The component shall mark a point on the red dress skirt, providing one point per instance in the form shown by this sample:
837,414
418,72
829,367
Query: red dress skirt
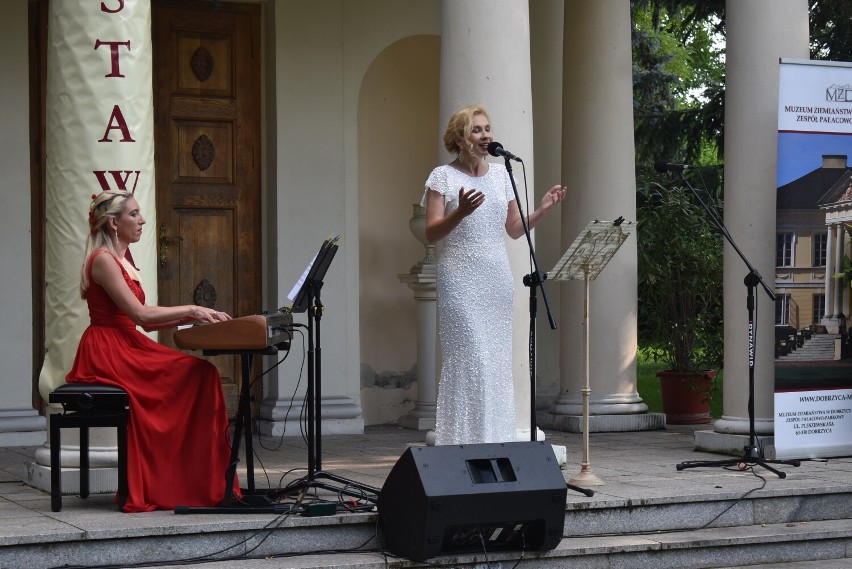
177,437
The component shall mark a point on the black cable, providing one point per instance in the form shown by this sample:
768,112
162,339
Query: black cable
749,468
484,550
523,551
290,408
527,206
275,523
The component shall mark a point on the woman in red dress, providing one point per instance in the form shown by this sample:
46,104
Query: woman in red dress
177,436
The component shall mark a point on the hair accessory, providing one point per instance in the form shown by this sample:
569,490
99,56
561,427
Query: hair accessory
94,197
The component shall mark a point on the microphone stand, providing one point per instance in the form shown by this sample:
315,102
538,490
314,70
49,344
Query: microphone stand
534,280
752,454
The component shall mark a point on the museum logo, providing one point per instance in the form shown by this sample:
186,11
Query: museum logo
839,94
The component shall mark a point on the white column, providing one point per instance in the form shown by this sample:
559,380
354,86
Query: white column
598,168
20,423
304,71
838,260
485,59
829,272
759,33
546,23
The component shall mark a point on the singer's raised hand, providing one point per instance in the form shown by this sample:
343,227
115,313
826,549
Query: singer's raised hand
553,196
469,201
438,223
514,224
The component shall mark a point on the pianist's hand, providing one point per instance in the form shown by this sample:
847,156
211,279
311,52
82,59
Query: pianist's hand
205,315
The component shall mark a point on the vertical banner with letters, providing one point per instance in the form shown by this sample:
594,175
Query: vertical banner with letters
99,136
813,364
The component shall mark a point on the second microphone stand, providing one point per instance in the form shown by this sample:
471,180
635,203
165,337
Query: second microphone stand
752,454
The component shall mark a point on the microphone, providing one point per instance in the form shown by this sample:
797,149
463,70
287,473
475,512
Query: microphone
663,166
496,149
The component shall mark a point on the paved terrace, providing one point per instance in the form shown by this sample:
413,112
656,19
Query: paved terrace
638,469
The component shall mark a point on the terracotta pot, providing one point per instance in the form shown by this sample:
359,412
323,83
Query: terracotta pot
686,396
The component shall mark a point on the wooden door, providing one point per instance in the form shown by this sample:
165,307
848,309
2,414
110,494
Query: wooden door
207,151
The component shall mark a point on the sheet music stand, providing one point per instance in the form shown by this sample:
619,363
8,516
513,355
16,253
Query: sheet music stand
308,300
584,260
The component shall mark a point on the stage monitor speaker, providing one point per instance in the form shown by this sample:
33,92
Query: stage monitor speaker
451,499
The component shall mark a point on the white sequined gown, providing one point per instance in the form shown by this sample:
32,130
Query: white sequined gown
476,401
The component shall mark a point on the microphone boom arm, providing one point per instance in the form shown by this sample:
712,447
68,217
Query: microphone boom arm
719,225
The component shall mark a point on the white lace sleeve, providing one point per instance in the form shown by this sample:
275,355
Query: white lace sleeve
436,181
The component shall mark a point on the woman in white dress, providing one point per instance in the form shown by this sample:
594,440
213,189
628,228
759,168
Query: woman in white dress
470,204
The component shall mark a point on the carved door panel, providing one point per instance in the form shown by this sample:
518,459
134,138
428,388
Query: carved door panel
207,114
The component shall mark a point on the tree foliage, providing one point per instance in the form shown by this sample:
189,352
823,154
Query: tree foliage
678,104
830,29
680,262
678,82
678,87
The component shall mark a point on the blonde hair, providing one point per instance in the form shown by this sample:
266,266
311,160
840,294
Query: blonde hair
105,206
459,128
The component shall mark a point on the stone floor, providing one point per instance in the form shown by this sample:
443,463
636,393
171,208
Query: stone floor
635,467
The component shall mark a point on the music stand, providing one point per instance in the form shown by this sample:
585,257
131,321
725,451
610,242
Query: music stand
307,299
534,280
584,260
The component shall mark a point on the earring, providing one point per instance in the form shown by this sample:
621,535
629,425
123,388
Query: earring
116,237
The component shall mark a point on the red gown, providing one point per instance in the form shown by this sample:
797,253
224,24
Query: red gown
177,436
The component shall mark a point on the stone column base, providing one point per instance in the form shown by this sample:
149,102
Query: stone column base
340,416
732,444
291,428
22,427
602,423
416,423
103,469
101,480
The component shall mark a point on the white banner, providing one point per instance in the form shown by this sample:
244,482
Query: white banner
815,97
812,424
99,136
813,390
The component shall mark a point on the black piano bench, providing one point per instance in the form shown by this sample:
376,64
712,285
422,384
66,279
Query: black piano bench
87,405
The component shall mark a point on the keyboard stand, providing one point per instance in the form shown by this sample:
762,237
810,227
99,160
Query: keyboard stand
253,501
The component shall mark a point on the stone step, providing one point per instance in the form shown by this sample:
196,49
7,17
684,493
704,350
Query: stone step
701,531
819,347
797,545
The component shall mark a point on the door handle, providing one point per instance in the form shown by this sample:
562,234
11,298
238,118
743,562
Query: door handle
165,240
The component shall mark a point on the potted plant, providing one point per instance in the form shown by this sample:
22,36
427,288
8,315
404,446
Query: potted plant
680,297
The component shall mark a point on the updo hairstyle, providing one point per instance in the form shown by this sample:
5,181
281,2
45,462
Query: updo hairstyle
459,128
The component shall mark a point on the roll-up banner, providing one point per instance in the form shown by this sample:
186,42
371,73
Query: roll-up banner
99,136
813,360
